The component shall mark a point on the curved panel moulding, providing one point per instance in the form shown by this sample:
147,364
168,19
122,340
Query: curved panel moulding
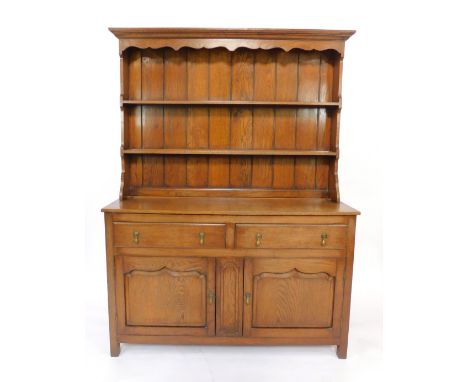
232,45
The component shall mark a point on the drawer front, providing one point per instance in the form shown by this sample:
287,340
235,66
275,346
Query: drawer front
170,235
294,236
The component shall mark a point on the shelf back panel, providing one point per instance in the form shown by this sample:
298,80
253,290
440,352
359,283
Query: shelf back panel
241,75
228,171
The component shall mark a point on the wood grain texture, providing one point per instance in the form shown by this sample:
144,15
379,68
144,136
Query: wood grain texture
198,118
152,117
111,303
170,114
290,236
241,118
170,235
283,104
281,279
232,206
342,350
220,124
229,228
229,296
292,299
285,119
263,118
232,39
165,298
306,130
175,118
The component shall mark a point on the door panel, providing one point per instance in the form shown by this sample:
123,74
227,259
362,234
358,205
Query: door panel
167,296
175,298
292,297
229,295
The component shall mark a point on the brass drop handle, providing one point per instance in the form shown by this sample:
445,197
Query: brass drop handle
324,237
248,296
136,237
258,238
202,238
211,297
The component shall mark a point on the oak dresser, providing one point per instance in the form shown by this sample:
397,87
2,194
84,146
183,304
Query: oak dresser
229,227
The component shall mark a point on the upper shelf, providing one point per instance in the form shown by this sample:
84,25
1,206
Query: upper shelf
231,152
232,39
233,103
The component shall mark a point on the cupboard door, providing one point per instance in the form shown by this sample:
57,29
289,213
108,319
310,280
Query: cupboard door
292,297
165,296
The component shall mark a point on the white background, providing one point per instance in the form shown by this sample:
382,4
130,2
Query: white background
403,164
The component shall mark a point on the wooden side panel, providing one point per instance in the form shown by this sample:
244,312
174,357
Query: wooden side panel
133,119
175,118
198,117
333,185
263,118
324,121
112,306
229,296
219,130
285,118
241,118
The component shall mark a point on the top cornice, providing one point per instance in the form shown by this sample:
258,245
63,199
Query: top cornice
232,39
268,34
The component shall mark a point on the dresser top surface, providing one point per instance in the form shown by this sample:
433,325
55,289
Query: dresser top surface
230,206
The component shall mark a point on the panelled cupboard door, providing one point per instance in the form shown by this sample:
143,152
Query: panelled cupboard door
165,296
293,297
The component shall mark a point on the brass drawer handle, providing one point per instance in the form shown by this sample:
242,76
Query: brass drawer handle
324,237
248,296
136,237
202,238
258,238
211,297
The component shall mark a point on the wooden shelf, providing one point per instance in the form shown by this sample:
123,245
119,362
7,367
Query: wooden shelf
233,103
230,152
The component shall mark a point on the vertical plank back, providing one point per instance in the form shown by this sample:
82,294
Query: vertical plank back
220,75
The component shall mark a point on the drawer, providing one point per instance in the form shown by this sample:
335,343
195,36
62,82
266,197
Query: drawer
294,236
170,235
